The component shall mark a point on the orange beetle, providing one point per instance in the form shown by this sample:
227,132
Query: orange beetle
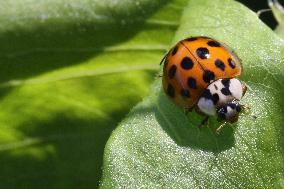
195,63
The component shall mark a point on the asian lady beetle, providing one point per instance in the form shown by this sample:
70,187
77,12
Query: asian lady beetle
199,72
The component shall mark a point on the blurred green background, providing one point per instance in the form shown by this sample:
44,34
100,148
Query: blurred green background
70,72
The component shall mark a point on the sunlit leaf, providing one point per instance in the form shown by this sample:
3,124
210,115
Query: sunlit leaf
158,146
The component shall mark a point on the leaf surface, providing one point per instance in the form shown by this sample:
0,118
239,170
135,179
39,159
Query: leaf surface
158,146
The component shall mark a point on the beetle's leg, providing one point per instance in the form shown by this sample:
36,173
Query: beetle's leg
187,110
244,89
220,127
204,122
247,109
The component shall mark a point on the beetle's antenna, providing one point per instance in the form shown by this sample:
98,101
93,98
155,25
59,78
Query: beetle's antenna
258,13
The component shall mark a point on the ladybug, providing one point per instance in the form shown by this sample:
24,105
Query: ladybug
199,72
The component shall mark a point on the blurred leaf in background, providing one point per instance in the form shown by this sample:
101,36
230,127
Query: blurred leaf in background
278,12
158,146
70,71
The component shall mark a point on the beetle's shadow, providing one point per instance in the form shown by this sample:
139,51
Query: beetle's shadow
183,128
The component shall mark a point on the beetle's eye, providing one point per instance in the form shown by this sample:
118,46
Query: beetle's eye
222,114
238,108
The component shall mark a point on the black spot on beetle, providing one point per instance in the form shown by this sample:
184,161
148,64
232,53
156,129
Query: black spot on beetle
213,44
215,86
185,93
171,91
191,82
202,53
207,94
226,82
225,91
172,71
191,39
220,64
208,76
186,63
232,64
175,50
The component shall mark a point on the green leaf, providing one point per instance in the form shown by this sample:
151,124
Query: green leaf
158,146
70,71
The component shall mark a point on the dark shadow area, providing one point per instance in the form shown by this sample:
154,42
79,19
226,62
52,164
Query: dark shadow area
256,5
74,159
67,151
31,51
183,129
26,56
